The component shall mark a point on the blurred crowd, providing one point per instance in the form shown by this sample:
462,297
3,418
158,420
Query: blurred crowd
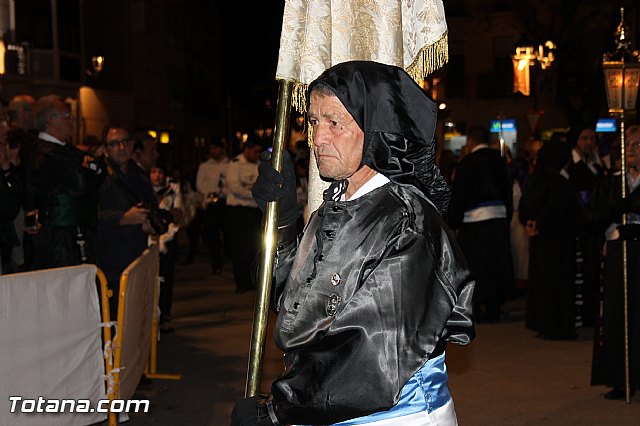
549,223
105,200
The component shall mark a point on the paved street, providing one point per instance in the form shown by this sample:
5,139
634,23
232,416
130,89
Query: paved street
505,377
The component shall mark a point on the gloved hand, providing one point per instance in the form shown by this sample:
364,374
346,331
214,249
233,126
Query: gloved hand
251,412
271,186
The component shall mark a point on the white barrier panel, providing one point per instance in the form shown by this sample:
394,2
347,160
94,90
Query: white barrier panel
142,279
50,345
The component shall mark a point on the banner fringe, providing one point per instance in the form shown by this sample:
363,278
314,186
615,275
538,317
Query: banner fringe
428,59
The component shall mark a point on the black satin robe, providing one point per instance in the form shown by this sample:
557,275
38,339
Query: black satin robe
375,289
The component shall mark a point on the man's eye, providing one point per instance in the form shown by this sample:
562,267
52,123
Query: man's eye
313,122
334,123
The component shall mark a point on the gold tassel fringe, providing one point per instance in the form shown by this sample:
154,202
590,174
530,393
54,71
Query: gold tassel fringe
430,58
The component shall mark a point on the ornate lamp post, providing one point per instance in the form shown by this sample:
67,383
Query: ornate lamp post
621,75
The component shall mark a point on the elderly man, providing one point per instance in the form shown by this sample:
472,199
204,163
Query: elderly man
124,201
377,285
59,192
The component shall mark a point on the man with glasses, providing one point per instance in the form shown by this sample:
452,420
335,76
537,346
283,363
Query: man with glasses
125,199
60,190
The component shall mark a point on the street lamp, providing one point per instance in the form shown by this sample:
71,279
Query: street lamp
527,56
621,75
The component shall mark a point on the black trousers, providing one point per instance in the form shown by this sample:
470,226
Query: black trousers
244,234
214,224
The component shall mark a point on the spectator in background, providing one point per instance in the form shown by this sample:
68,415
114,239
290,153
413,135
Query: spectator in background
60,191
145,152
194,200
124,201
244,228
10,200
210,182
21,139
480,209
169,198
21,111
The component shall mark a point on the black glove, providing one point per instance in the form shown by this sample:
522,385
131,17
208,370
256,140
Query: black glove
272,186
252,412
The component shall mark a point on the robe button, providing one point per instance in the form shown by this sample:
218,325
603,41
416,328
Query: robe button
332,304
335,279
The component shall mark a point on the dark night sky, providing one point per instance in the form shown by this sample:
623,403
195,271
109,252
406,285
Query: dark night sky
251,37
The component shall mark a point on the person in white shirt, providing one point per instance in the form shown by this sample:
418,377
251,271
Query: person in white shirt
244,216
210,183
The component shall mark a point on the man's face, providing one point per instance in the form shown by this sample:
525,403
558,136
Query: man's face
60,123
632,150
586,142
149,156
118,146
156,176
216,152
252,154
337,140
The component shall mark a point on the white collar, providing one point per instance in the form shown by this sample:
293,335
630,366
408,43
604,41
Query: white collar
47,137
375,182
479,146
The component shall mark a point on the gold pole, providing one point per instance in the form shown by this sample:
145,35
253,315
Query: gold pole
265,271
625,278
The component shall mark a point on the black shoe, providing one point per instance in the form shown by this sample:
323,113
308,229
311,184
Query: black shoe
618,393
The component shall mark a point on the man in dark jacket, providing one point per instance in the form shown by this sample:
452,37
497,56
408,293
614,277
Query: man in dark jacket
481,208
377,285
124,200
60,188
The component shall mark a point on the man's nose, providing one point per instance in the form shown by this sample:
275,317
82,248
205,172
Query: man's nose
321,134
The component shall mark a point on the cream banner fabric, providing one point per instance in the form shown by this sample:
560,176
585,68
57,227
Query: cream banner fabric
50,344
317,34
